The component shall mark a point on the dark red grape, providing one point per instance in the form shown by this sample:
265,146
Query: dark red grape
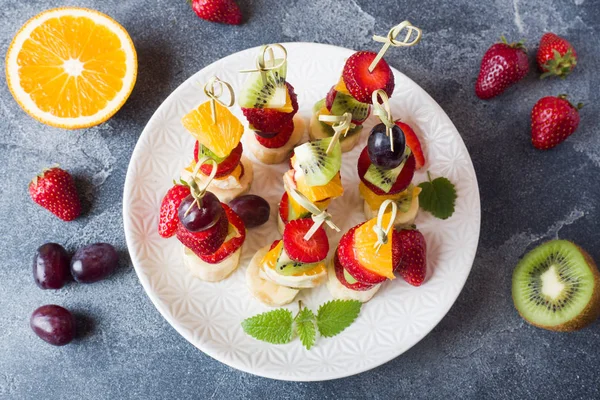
94,262
252,209
51,266
379,147
203,217
53,324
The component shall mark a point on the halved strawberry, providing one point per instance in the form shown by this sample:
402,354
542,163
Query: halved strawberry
312,250
278,140
413,267
412,141
274,244
348,260
226,166
269,119
360,82
207,241
232,245
339,273
168,219
402,181
284,207
397,251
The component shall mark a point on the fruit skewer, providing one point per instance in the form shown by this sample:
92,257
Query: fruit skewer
364,72
278,272
218,133
270,105
315,174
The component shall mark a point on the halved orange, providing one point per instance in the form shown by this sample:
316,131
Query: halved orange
71,67
379,262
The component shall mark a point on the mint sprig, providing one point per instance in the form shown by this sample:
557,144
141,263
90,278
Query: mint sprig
278,326
438,196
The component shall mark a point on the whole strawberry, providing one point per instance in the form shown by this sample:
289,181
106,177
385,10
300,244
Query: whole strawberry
54,189
223,11
502,65
413,267
553,119
168,219
555,56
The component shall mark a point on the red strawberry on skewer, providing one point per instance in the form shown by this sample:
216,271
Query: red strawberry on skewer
413,267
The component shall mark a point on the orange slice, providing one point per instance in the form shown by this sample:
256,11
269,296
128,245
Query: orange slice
379,262
71,67
375,200
341,86
221,137
332,189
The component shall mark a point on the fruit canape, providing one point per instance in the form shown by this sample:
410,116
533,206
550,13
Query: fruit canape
315,174
386,165
218,133
297,261
211,233
270,106
364,72
370,253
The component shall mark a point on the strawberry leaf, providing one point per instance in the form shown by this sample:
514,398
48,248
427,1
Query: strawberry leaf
438,196
274,326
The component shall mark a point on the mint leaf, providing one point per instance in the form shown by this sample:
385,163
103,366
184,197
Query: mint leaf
336,315
438,196
274,326
305,326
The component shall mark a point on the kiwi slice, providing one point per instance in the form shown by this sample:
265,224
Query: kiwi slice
286,266
204,151
345,103
319,105
405,201
384,179
293,215
256,94
349,278
319,126
313,161
556,287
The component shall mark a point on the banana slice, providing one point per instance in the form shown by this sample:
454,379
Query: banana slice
276,156
229,188
406,218
300,281
339,291
315,131
280,224
211,272
265,291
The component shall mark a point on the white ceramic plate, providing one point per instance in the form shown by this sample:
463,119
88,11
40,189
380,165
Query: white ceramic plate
208,315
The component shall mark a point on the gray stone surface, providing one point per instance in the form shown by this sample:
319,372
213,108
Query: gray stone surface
481,349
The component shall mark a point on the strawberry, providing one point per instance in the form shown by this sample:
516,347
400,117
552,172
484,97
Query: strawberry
339,273
168,219
54,189
268,119
274,244
312,250
412,141
223,11
233,244
278,140
402,181
502,65
414,257
360,82
348,260
553,119
226,166
284,207
206,241
555,56
396,249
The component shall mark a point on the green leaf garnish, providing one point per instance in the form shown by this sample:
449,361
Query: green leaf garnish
336,315
438,196
305,326
274,326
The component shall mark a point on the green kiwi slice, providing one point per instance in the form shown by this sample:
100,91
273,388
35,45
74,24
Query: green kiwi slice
318,106
384,179
286,266
315,164
405,201
556,287
273,94
345,103
349,278
204,151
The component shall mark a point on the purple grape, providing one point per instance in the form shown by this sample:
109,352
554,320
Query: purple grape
379,147
53,324
252,209
51,266
203,217
94,262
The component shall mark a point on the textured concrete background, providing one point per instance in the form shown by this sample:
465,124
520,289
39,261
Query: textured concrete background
482,349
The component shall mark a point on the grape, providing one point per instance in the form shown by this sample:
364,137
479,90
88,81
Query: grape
203,217
51,266
252,209
379,149
94,262
53,324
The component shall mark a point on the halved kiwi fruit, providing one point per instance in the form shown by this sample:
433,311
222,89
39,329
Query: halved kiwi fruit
316,165
286,266
384,179
556,286
256,94
204,151
338,103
